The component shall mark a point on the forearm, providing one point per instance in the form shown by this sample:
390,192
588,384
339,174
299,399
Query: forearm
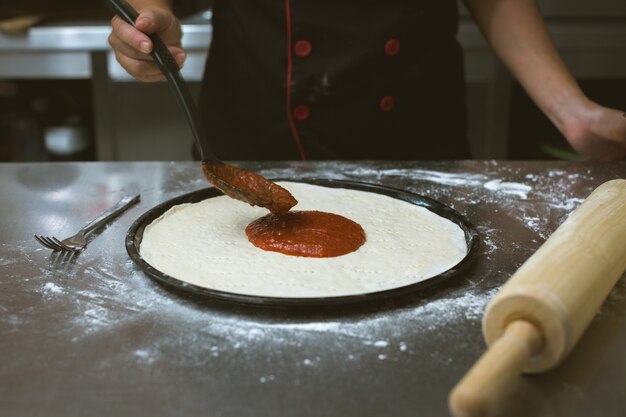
517,33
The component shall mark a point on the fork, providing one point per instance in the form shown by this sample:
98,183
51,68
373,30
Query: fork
78,242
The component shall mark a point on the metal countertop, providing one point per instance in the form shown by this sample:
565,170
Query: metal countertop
92,335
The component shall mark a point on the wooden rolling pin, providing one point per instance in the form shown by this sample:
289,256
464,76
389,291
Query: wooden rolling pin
538,316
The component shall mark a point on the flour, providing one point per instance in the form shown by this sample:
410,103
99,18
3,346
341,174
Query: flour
513,188
104,296
531,221
313,326
145,356
104,307
488,239
265,379
444,178
6,262
52,288
568,205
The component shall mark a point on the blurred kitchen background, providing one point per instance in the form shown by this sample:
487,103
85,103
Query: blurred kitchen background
64,97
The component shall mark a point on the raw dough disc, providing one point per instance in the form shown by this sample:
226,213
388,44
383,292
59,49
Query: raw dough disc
205,244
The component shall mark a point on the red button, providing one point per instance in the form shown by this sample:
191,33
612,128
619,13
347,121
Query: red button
387,103
392,47
301,112
303,48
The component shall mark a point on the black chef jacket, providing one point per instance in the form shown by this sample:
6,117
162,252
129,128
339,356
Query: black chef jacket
335,79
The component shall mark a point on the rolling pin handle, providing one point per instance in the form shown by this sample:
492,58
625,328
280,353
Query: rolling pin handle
478,393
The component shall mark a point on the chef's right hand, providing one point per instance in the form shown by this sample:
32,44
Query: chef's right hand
132,46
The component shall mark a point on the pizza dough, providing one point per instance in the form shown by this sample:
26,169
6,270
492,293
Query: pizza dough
205,244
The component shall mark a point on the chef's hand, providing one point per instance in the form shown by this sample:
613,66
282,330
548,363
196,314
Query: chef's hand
132,46
516,31
596,132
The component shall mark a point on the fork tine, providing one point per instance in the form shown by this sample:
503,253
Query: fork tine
51,243
41,240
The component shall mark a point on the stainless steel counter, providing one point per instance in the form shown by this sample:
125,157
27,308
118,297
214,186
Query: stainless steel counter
92,335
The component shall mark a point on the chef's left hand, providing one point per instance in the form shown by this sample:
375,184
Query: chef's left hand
596,132
516,31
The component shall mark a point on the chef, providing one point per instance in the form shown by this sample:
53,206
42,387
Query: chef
374,79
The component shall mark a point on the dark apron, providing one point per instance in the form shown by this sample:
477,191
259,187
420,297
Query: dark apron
370,79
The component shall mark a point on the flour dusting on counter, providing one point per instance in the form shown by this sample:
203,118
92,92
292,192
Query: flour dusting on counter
52,288
139,297
113,317
111,302
93,332
513,188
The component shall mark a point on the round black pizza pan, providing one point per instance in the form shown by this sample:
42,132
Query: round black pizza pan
135,235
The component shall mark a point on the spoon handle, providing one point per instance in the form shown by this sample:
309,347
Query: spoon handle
168,66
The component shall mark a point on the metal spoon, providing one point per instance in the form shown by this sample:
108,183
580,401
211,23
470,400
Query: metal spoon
234,182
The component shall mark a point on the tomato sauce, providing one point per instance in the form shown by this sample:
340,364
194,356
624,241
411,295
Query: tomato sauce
314,234
249,187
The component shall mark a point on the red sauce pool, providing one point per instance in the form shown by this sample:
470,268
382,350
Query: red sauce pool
314,234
